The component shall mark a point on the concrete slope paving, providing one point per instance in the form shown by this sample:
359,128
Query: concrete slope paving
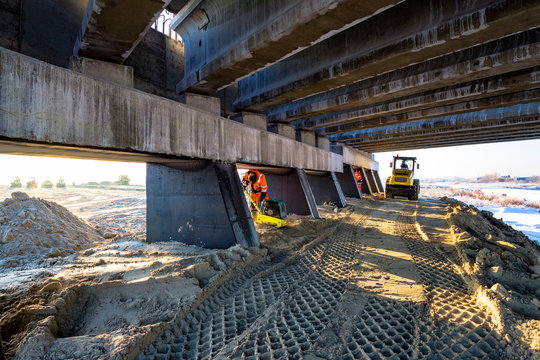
376,287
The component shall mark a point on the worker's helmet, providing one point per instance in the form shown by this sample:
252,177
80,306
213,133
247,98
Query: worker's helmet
252,176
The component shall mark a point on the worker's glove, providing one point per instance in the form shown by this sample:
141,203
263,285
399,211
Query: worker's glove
263,196
245,183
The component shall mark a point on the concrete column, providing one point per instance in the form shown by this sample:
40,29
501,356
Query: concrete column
326,188
291,186
236,205
378,181
203,102
366,186
254,119
348,182
283,129
197,202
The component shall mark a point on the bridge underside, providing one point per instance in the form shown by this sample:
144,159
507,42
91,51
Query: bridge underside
307,90
398,62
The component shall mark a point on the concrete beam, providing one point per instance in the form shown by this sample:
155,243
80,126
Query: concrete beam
521,126
470,62
244,36
514,129
355,157
515,135
492,59
41,103
445,110
110,30
459,122
473,90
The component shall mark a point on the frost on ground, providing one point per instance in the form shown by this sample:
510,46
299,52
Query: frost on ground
69,290
379,277
502,262
517,206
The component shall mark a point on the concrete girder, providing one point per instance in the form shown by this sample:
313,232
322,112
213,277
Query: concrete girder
459,108
405,34
516,52
510,135
244,36
473,90
442,137
528,125
42,103
477,118
111,29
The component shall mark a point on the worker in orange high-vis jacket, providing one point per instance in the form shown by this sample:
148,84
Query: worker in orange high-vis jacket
255,183
358,177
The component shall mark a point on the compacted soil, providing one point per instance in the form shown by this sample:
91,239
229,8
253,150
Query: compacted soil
381,278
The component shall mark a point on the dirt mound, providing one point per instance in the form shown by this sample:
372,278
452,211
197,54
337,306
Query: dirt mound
32,230
497,256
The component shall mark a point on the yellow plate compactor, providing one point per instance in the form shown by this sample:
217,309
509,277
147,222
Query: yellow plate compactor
273,211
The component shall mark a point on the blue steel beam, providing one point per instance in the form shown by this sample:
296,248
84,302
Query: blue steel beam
455,121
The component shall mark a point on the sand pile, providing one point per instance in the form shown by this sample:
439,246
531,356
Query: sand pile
32,230
497,256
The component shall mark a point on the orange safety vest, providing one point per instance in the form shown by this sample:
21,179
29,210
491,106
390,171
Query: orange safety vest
258,187
358,176
260,184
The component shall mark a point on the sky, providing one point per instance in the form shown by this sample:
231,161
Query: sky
518,158
71,170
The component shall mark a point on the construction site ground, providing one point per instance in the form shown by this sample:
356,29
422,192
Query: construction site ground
378,279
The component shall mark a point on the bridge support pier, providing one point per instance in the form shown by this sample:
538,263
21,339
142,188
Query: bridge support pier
366,187
197,202
292,186
369,180
348,183
326,188
378,181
